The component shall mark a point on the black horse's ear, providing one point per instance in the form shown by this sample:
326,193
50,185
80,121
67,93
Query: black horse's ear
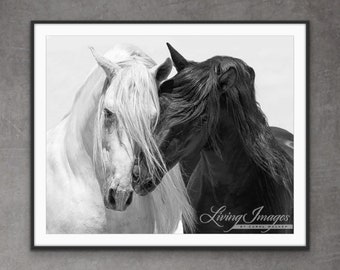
228,78
179,61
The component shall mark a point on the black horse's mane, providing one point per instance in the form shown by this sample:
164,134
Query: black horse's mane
197,94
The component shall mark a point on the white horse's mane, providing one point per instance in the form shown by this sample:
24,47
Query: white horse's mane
170,200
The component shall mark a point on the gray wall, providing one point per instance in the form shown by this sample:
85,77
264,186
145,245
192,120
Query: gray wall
15,252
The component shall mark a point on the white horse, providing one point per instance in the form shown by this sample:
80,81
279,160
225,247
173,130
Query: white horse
91,153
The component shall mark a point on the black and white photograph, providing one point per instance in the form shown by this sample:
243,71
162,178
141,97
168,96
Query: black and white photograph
170,134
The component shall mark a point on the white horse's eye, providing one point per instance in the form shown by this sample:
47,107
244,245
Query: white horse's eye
110,118
108,113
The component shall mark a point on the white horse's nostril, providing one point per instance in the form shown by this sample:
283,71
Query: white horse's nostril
129,200
111,197
118,199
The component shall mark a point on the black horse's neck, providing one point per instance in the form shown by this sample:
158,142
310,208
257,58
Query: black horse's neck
241,167
230,166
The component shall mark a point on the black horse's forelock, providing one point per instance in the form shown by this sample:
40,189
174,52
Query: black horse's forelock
196,93
194,99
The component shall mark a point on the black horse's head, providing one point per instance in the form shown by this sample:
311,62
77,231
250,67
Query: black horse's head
192,105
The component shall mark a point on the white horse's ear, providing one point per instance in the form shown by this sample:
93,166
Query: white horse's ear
162,71
108,66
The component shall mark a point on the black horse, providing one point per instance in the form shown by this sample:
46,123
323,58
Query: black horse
238,170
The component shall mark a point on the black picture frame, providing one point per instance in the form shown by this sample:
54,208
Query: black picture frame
253,248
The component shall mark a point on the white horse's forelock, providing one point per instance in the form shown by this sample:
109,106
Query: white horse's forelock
134,90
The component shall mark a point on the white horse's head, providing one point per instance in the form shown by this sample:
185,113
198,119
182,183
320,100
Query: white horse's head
127,114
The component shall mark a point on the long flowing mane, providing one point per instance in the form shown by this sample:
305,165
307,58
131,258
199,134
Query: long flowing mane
197,94
170,201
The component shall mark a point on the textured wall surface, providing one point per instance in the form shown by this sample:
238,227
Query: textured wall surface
15,16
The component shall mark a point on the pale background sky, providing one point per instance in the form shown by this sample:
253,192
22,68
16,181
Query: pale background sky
69,61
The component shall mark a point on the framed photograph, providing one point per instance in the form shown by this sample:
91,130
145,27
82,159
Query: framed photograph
170,134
